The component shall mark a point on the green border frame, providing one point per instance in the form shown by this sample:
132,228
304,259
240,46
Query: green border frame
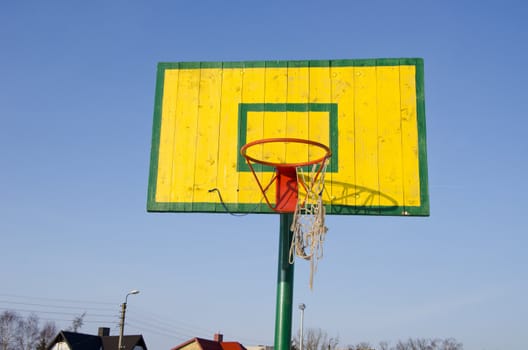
422,210
244,108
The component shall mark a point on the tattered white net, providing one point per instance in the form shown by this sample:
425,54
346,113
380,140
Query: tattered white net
308,224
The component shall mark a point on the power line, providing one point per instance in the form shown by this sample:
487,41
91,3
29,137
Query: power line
55,306
168,330
155,331
187,330
55,299
52,312
69,320
170,322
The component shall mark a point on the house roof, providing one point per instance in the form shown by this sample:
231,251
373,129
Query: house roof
80,341
129,342
77,341
232,345
206,344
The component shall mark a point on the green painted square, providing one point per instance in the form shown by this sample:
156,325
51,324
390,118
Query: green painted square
245,108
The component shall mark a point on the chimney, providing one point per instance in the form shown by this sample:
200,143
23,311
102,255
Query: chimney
103,332
218,337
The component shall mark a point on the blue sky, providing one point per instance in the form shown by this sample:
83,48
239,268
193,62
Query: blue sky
76,103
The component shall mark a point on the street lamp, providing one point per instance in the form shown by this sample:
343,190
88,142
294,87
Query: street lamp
301,336
122,323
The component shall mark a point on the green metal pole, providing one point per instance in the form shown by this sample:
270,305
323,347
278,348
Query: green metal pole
283,318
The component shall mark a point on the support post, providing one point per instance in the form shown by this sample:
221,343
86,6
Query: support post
284,309
121,326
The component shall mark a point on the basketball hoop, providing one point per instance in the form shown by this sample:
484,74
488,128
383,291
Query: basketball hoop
305,202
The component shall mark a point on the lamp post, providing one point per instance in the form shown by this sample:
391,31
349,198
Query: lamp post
301,336
122,322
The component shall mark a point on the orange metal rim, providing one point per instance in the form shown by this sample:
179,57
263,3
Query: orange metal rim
244,149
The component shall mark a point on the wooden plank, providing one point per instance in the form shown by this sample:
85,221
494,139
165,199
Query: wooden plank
228,178
166,145
389,139
366,145
253,91
320,92
342,188
299,93
275,122
410,147
208,130
185,135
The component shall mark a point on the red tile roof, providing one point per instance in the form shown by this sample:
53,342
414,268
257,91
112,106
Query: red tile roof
206,344
232,345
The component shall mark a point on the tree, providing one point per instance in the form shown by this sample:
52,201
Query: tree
383,345
315,339
47,332
28,333
425,344
451,344
18,333
9,322
361,346
77,323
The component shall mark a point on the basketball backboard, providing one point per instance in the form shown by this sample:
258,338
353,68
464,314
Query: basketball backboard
369,112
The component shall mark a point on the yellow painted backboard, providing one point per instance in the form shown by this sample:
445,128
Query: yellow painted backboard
369,112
